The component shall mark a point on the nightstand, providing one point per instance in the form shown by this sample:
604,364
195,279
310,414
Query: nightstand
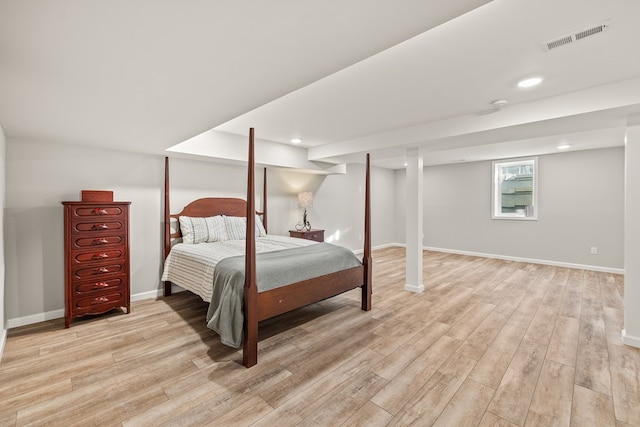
317,235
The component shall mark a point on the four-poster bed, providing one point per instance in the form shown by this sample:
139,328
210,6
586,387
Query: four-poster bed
261,295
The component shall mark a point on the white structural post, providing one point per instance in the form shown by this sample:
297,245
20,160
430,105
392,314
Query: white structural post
631,331
414,233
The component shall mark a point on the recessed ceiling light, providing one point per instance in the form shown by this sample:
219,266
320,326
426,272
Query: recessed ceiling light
296,140
563,146
498,104
533,81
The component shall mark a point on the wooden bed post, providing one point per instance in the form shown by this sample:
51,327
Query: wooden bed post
167,222
250,334
366,260
264,200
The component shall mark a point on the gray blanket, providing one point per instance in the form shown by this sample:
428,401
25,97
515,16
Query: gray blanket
273,269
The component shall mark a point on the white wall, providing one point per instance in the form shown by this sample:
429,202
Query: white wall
338,207
581,205
41,175
338,200
3,330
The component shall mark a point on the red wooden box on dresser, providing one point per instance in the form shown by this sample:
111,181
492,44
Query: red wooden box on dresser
96,257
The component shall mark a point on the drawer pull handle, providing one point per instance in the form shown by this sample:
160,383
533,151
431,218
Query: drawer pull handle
99,211
100,226
101,255
101,285
102,270
100,300
100,241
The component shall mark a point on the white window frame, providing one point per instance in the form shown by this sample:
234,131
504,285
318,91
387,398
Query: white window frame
496,190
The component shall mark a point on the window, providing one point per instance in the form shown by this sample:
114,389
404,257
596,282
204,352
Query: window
515,189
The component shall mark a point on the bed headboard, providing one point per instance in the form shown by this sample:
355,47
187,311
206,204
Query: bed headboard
211,206
208,206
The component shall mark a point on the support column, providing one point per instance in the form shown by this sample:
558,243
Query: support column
414,234
631,331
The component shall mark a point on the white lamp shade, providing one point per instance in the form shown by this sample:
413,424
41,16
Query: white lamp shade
305,199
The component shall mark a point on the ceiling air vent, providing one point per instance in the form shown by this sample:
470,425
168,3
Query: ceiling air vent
575,36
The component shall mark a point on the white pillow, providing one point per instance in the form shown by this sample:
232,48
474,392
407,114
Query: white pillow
260,231
198,230
236,227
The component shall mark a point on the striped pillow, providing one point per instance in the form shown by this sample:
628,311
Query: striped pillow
260,231
236,227
198,230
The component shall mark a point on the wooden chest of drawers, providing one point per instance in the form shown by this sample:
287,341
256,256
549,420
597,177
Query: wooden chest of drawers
96,258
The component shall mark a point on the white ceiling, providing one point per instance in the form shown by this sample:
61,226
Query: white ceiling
346,76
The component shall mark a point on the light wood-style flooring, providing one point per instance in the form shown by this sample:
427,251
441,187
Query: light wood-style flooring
489,343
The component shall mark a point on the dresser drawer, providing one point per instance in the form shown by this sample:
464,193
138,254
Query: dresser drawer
317,235
99,303
106,254
97,211
83,242
107,285
102,225
97,271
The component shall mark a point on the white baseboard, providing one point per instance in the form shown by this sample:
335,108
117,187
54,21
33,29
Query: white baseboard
34,318
147,295
3,340
57,314
158,293
373,248
529,260
630,339
413,288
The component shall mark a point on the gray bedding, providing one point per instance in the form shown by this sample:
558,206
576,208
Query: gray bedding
273,269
